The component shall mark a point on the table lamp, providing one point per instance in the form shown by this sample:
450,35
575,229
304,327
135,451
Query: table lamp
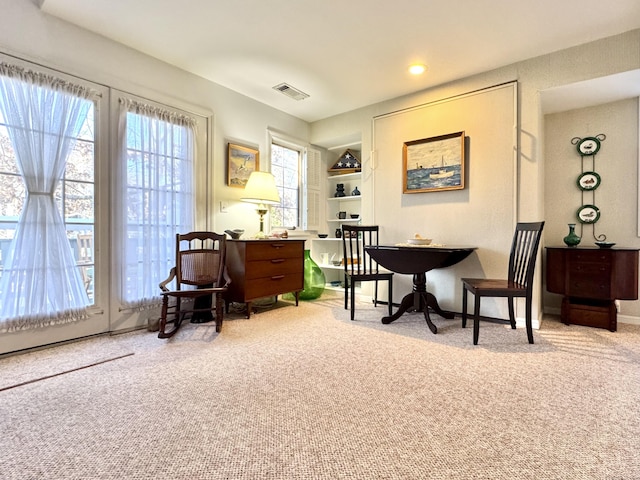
261,189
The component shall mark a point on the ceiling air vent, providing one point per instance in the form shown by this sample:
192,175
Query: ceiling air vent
291,92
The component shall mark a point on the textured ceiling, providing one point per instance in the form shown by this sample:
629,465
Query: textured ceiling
344,54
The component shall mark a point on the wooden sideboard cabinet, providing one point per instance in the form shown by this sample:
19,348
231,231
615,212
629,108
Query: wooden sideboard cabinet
264,268
591,279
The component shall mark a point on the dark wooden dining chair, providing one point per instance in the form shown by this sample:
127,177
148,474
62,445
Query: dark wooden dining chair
519,282
200,276
359,266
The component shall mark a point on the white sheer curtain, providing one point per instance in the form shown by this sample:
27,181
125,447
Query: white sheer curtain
40,283
156,196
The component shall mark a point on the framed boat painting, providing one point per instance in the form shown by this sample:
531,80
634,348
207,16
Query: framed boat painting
433,164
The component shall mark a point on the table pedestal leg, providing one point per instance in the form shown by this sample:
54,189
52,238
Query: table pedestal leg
419,300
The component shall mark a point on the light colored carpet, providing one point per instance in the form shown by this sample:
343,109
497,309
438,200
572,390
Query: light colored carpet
304,393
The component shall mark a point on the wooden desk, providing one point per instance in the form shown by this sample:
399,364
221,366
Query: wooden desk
264,268
417,261
591,279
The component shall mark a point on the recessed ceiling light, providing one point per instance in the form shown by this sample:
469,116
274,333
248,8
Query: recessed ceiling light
417,68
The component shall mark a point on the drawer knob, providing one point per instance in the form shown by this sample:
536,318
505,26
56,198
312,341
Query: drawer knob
277,277
277,260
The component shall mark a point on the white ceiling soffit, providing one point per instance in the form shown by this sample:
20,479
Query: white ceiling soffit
591,92
344,54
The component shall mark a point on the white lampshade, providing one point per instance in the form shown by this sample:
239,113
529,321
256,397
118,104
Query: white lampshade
261,188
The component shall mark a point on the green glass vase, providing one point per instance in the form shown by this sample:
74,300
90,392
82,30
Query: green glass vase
314,280
572,239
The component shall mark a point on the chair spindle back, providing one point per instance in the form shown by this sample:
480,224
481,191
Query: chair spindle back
524,248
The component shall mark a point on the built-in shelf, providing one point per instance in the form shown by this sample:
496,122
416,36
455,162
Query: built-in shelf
350,198
331,247
345,176
331,267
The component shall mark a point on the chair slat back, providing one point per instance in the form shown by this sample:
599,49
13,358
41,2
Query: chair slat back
354,239
524,249
200,259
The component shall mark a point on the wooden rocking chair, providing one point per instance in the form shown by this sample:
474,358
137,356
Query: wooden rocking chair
201,275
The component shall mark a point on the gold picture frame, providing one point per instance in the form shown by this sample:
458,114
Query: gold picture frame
241,162
433,164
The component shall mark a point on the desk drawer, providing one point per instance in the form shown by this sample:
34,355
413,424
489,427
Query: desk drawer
271,250
275,266
275,285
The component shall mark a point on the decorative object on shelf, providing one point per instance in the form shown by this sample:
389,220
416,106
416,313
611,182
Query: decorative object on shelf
338,233
605,244
339,190
433,164
588,182
355,216
235,233
241,162
261,189
323,235
341,215
572,239
355,192
314,280
347,163
279,233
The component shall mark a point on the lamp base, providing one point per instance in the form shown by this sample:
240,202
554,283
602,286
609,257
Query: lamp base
262,211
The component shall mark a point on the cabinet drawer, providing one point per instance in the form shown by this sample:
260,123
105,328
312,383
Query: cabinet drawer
600,316
275,266
273,250
589,280
593,270
275,285
589,287
590,256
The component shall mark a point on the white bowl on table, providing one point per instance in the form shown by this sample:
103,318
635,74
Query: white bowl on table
419,241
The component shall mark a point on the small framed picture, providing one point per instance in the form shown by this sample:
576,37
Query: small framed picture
241,161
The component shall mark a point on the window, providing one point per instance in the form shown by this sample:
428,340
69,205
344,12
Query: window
157,195
47,179
286,168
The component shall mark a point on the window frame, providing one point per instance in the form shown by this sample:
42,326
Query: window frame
285,141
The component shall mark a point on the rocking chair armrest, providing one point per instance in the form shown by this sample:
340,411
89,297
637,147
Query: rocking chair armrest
164,283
